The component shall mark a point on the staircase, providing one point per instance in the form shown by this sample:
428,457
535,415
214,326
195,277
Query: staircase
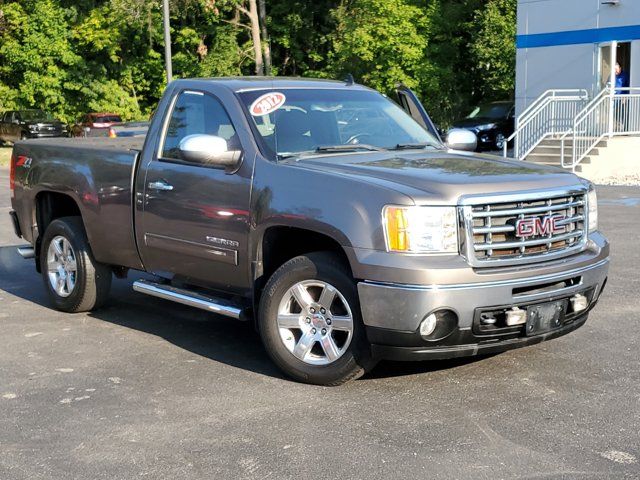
585,128
549,152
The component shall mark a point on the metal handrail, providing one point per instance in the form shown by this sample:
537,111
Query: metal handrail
611,113
545,118
553,93
582,114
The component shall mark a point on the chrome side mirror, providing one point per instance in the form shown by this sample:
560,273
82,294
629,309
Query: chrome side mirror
208,150
461,139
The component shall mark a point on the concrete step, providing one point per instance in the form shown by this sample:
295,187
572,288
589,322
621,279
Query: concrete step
568,152
557,164
568,143
552,149
550,158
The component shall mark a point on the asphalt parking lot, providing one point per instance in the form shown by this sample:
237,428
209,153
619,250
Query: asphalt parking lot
146,388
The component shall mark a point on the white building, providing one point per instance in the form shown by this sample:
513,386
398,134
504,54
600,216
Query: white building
567,44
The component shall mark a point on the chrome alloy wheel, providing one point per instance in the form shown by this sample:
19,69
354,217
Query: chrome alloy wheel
315,322
62,266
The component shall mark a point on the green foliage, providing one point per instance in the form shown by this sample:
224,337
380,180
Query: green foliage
36,56
494,49
75,56
380,42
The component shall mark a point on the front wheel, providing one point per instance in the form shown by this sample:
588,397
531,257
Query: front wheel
500,139
310,321
76,282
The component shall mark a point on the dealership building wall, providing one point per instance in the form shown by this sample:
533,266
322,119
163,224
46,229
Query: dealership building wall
566,44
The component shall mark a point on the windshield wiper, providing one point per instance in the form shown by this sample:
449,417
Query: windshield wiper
329,149
349,148
412,146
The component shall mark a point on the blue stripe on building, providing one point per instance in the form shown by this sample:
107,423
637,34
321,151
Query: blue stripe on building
576,37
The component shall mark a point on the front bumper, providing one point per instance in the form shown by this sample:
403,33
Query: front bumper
469,347
52,134
16,223
392,313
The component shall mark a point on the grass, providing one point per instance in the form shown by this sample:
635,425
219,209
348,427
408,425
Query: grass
5,156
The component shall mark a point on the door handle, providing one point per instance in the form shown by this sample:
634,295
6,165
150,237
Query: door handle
160,185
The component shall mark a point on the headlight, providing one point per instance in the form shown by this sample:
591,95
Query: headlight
421,229
592,215
33,127
486,126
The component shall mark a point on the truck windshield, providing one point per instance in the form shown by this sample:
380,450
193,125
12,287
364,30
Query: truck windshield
490,110
295,121
33,115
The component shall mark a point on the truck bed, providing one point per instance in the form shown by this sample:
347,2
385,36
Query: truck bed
124,144
97,174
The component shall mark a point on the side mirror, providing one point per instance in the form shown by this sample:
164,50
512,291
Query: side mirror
461,139
16,121
208,150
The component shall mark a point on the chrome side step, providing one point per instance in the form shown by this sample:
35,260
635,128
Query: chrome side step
27,252
187,297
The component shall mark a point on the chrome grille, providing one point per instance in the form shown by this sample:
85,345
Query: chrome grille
491,229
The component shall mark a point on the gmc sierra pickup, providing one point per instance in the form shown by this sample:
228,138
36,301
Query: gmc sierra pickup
329,215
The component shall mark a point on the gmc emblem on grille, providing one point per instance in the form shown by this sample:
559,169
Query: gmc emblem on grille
539,226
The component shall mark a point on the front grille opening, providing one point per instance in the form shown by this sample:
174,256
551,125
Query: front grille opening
547,287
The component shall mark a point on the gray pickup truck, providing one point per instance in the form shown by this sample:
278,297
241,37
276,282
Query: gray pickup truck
330,216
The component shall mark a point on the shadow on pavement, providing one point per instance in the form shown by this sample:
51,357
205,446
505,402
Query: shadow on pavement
208,335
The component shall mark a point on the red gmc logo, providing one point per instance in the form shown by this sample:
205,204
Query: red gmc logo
539,226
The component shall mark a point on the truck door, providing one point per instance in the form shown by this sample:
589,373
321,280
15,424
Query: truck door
410,104
3,126
13,127
195,219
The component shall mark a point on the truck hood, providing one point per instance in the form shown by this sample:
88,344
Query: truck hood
442,177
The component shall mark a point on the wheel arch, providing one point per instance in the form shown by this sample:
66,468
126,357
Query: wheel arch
280,243
50,206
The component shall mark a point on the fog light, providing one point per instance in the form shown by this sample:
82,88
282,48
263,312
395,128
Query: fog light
428,325
579,302
516,316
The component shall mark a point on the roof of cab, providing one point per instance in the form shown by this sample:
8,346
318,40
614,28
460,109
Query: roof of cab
240,84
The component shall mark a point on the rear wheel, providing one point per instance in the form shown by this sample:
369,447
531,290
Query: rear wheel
74,280
310,321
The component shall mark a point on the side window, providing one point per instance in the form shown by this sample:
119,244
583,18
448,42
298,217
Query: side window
16,116
197,113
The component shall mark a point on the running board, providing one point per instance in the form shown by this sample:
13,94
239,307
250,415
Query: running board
27,252
190,298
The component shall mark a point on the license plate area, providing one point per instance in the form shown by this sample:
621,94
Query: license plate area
545,317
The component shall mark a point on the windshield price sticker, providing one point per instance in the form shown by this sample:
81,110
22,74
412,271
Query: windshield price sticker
267,103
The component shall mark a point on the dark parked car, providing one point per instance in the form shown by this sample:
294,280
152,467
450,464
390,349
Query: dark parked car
492,122
22,124
95,125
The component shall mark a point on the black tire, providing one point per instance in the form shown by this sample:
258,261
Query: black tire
325,267
499,141
92,279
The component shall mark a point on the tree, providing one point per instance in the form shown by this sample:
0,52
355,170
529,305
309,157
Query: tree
494,48
37,60
380,42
